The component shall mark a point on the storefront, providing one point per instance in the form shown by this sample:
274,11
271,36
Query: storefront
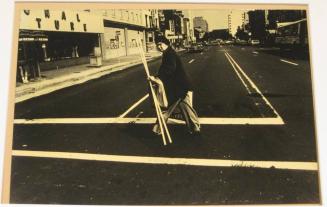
133,36
115,43
71,37
31,46
120,39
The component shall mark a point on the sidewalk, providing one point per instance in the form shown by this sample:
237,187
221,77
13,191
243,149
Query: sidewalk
53,80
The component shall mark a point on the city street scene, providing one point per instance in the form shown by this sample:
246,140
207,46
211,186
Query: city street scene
225,115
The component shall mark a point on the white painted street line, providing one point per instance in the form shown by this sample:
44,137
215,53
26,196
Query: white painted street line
191,61
134,105
254,86
255,52
152,120
238,74
307,166
289,62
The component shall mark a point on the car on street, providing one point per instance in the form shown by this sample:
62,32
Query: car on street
241,42
214,43
254,42
197,47
228,42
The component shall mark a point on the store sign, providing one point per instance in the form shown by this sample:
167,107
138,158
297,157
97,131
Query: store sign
174,37
33,39
61,21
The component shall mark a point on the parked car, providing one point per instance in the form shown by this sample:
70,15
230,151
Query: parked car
241,42
214,43
228,42
254,42
197,47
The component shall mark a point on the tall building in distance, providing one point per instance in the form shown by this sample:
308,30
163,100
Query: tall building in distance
199,22
245,21
257,23
189,15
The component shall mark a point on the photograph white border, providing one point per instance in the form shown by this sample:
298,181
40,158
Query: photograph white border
318,31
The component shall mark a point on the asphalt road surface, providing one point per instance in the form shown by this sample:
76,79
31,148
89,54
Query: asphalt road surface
92,143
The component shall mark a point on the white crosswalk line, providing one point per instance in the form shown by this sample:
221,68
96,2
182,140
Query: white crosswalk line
152,120
307,166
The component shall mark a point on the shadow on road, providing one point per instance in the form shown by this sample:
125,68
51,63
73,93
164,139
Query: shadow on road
300,54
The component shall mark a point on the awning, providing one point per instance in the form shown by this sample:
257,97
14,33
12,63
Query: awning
284,24
32,36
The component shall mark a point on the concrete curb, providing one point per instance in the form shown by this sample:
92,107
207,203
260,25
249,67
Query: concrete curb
48,86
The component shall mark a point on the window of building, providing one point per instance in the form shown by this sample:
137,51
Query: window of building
151,22
146,20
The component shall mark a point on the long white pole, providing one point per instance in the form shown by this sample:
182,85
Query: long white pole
162,124
155,98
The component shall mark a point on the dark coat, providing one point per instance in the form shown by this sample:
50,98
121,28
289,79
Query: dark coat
174,77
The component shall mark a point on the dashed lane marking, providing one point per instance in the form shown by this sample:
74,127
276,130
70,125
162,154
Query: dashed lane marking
152,120
306,166
191,61
255,52
289,62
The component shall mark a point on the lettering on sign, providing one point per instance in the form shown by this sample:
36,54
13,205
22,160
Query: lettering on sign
27,12
56,22
47,13
63,16
72,26
50,20
38,20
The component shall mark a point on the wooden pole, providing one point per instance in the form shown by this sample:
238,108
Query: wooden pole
154,97
156,104
161,119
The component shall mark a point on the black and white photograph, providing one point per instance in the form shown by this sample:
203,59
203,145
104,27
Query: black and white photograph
129,104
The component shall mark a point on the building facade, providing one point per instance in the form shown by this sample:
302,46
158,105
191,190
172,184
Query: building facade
171,26
188,14
122,29
53,39
199,22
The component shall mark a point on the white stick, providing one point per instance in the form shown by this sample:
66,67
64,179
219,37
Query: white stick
154,97
156,104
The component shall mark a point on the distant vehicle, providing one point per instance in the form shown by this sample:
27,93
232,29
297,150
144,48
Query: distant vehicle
197,47
241,42
205,43
214,42
254,42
